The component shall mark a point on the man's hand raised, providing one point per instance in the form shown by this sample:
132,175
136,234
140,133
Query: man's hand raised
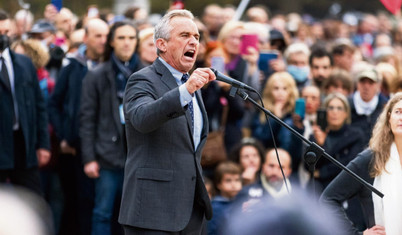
199,78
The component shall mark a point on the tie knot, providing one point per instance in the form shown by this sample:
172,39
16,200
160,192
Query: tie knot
184,78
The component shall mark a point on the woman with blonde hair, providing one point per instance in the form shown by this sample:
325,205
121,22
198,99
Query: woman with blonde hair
240,67
146,46
379,165
280,94
389,75
40,57
279,97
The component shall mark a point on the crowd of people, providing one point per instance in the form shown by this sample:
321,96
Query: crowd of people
64,133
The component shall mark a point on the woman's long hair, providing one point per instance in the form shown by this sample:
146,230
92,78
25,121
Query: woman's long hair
268,98
382,137
110,37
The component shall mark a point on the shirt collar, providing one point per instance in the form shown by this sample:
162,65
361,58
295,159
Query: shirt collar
176,74
6,54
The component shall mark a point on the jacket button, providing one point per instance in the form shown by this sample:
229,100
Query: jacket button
114,138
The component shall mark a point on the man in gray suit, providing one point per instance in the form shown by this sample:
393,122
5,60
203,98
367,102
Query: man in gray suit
166,124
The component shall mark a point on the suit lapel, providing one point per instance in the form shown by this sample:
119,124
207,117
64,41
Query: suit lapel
168,79
166,76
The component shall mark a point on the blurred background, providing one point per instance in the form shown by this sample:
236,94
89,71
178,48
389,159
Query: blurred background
314,8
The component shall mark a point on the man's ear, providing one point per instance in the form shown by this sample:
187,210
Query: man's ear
85,38
161,44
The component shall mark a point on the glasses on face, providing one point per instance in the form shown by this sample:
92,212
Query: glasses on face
337,108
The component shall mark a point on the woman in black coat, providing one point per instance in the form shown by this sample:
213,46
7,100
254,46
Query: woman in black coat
379,165
340,139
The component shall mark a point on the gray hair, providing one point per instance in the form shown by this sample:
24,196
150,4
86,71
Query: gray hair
344,101
24,15
297,47
163,28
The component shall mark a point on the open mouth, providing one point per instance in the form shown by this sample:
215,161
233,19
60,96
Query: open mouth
190,54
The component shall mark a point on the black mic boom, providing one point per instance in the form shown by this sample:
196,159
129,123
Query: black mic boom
223,78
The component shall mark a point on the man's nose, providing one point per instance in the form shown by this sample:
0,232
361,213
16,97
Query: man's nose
194,40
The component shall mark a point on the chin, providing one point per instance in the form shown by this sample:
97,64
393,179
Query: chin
187,67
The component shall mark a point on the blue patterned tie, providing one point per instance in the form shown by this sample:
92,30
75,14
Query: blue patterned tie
190,104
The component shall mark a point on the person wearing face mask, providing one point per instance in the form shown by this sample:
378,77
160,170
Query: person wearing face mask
296,56
24,135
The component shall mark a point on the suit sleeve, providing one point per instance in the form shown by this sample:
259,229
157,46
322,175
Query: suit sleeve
330,171
344,187
88,116
146,106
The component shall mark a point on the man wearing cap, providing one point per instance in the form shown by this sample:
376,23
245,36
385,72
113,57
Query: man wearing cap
45,32
366,103
42,29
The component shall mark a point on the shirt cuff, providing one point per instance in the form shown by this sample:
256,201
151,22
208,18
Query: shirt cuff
185,96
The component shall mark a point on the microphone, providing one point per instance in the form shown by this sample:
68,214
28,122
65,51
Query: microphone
223,78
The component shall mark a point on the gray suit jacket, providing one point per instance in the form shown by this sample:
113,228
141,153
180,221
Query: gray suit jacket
162,173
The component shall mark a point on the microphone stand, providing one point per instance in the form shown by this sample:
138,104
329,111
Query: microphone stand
314,151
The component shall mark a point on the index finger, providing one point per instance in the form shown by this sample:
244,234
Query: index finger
210,73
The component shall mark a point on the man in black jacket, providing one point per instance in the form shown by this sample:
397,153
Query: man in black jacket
366,103
64,115
24,138
102,122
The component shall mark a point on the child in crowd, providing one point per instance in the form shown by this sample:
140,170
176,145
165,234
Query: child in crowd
228,183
